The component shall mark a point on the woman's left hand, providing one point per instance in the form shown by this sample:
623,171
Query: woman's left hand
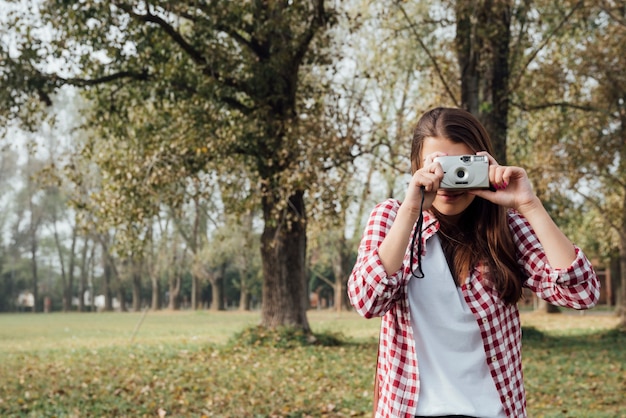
513,188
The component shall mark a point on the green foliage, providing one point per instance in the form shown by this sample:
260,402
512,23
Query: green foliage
180,94
570,134
233,103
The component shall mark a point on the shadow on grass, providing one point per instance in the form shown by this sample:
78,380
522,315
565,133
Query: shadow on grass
533,336
291,337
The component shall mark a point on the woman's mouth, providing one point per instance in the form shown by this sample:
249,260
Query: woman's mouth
449,195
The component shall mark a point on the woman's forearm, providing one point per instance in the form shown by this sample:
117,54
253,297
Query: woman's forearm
558,248
393,247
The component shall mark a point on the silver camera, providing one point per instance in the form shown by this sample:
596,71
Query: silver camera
464,172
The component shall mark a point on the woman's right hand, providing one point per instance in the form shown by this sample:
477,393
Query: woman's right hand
393,247
429,177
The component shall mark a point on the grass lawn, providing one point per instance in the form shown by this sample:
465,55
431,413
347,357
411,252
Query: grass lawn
181,364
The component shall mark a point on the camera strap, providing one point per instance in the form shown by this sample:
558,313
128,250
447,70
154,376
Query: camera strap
417,235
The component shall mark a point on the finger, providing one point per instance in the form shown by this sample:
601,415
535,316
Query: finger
501,176
430,181
428,160
492,161
514,174
437,170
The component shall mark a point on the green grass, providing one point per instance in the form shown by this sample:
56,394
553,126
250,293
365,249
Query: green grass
25,332
576,376
182,364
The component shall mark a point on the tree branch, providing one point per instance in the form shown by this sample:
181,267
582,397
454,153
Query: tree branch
597,205
322,277
83,82
532,56
429,54
621,20
192,52
530,108
319,19
169,30
44,83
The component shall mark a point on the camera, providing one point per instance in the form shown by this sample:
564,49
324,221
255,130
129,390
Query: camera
464,172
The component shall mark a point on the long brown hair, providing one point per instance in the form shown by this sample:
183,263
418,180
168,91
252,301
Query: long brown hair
482,235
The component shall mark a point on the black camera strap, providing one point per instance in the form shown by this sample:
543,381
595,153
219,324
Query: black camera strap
417,235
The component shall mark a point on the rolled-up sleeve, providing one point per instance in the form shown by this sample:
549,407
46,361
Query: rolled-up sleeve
576,286
370,289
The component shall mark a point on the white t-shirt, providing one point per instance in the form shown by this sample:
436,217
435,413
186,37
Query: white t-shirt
453,372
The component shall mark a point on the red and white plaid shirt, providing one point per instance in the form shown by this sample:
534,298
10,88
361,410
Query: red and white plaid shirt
374,293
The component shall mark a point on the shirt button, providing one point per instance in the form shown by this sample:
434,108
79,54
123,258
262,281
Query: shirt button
485,320
469,286
494,359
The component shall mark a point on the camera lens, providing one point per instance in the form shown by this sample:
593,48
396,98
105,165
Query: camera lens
460,174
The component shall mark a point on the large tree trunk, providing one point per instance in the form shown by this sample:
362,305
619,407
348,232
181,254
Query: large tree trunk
482,43
283,253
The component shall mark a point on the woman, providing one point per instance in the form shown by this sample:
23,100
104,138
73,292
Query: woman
450,339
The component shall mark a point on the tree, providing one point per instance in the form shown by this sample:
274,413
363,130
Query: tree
234,70
195,231
53,211
35,220
87,254
581,143
495,42
483,39
8,253
609,129
232,246
503,49
383,84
